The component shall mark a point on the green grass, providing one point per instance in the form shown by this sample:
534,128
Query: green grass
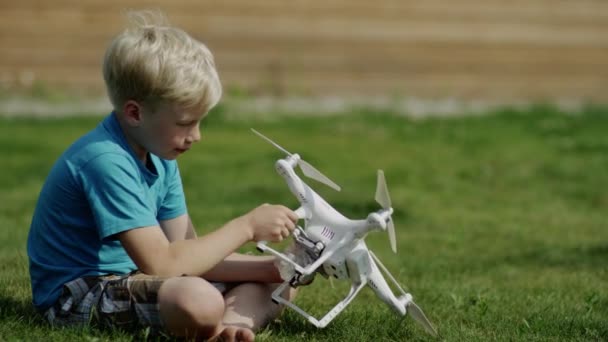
501,219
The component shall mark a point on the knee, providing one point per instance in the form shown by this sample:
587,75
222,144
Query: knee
190,306
202,303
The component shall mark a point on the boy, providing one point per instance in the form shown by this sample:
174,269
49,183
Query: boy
111,240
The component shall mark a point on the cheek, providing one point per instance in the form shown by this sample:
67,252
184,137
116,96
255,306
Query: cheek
176,135
164,136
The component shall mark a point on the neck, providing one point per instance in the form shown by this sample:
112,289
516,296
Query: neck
130,136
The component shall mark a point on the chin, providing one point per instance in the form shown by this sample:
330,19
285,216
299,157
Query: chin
168,155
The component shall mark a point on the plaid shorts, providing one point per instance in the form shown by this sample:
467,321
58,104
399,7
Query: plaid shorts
124,302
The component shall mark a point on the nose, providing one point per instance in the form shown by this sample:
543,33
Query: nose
194,135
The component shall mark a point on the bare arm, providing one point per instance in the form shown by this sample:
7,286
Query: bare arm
240,267
235,267
179,228
154,253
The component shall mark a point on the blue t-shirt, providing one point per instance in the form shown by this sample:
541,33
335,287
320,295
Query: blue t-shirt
96,189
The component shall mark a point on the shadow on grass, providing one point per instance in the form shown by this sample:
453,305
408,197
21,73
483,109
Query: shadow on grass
20,318
291,325
12,309
23,319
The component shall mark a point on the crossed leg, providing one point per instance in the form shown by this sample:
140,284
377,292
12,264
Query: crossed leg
250,308
191,307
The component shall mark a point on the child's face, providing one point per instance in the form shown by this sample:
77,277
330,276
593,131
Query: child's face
170,131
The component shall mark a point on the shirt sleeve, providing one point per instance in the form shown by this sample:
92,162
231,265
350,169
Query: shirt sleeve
174,202
116,195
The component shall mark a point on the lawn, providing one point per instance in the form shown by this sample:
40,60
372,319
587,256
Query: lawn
502,219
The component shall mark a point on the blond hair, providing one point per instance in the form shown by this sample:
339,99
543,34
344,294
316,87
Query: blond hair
154,63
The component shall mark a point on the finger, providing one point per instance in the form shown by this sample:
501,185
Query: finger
285,233
292,215
276,236
290,225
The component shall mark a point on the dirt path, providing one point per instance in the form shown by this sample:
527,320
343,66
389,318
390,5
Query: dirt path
264,106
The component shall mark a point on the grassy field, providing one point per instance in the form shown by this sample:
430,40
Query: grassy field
502,220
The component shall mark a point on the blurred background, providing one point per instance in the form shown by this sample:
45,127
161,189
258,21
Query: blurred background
501,218
424,54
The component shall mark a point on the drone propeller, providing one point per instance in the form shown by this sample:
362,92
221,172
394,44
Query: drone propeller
307,169
384,199
419,316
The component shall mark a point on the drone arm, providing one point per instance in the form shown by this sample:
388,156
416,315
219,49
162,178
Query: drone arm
284,168
303,213
385,270
405,302
382,289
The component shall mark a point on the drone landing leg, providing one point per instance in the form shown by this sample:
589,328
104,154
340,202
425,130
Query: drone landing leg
263,247
354,290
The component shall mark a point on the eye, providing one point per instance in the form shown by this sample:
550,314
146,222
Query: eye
187,123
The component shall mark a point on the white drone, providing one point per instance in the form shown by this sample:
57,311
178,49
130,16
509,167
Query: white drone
334,245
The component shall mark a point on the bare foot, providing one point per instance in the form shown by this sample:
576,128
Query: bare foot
233,333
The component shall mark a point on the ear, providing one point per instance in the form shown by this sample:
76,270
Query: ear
133,113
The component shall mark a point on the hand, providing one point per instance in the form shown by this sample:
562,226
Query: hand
271,222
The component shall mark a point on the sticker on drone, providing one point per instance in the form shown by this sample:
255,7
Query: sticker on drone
328,233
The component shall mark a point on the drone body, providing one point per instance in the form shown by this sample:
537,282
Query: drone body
334,245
